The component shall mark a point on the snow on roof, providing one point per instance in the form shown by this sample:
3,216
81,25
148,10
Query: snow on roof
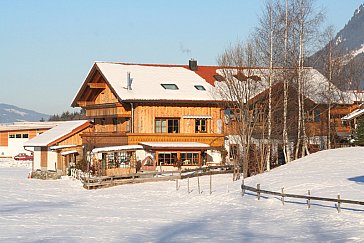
147,82
63,129
316,85
69,152
18,126
117,148
175,145
353,114
62,146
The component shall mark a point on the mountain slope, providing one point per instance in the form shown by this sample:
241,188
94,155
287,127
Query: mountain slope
11,113
349,42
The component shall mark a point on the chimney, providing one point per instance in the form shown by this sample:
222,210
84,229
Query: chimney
192,64
129,81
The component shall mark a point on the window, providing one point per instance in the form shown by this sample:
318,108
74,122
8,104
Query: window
115,122
200,125
200,87
192,158
167,125
18,135
127,125
11,135
316,115
234,151
167,158
170,86
25,135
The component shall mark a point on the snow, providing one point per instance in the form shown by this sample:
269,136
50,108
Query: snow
358,51
55,133
117,148
147,82
16,112
62,211
175,145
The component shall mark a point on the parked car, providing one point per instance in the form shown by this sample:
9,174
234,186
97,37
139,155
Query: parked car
23,156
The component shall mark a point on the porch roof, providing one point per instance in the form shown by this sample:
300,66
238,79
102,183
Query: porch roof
69,152
117,148
174,145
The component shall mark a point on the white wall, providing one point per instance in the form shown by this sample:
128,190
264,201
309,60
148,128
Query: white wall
52,160
36,160
15,146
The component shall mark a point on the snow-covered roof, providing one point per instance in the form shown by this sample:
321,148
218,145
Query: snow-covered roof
353,114
62,146
60,131
174,145
316,86
19,126
117,148
69,152
147,81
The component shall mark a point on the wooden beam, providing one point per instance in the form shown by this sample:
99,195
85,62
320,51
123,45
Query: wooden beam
96,85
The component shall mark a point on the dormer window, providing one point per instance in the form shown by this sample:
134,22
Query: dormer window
170,86
200,87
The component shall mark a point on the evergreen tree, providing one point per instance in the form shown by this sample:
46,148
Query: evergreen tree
359,133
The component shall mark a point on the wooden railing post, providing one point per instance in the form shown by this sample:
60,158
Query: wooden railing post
258,191
338,203
308,199
282,193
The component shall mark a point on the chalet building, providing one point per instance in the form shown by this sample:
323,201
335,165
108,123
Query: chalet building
13,136
59,148
151,116
317,106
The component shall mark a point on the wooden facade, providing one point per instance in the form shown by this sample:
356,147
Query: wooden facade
129,122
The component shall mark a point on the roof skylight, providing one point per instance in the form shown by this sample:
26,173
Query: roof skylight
200,87
170,86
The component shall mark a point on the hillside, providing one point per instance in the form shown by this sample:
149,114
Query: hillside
11,113
34,210
349,41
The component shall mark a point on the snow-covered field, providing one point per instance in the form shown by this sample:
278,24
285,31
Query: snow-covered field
62,211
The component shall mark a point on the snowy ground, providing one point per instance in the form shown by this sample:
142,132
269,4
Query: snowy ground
62,211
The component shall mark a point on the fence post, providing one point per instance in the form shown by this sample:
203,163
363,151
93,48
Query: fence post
258,191
242,187
198,184
188,185
282,195
309,199
176,184
210,182
338,203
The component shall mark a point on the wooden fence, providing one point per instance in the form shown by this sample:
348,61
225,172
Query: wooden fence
308,197
108,181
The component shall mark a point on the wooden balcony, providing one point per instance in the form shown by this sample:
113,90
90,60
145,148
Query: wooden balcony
104,139
214,140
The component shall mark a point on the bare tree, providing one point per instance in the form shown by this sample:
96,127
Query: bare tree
239,84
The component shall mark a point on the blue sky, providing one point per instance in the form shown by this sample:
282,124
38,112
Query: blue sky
47,46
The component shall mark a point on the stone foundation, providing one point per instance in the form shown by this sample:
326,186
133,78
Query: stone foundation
45,175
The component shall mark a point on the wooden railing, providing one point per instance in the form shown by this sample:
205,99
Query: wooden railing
308,197
108,181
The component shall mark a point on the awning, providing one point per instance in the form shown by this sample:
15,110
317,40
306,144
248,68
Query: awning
174,145
69,152
62,146
197,117
118,148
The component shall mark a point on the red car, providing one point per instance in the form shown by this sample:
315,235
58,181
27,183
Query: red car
23,156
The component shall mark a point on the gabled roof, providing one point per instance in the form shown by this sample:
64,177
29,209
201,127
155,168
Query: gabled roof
147,80
57,134
316,85
22,126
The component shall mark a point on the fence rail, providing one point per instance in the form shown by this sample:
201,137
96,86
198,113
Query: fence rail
308,197
107,181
